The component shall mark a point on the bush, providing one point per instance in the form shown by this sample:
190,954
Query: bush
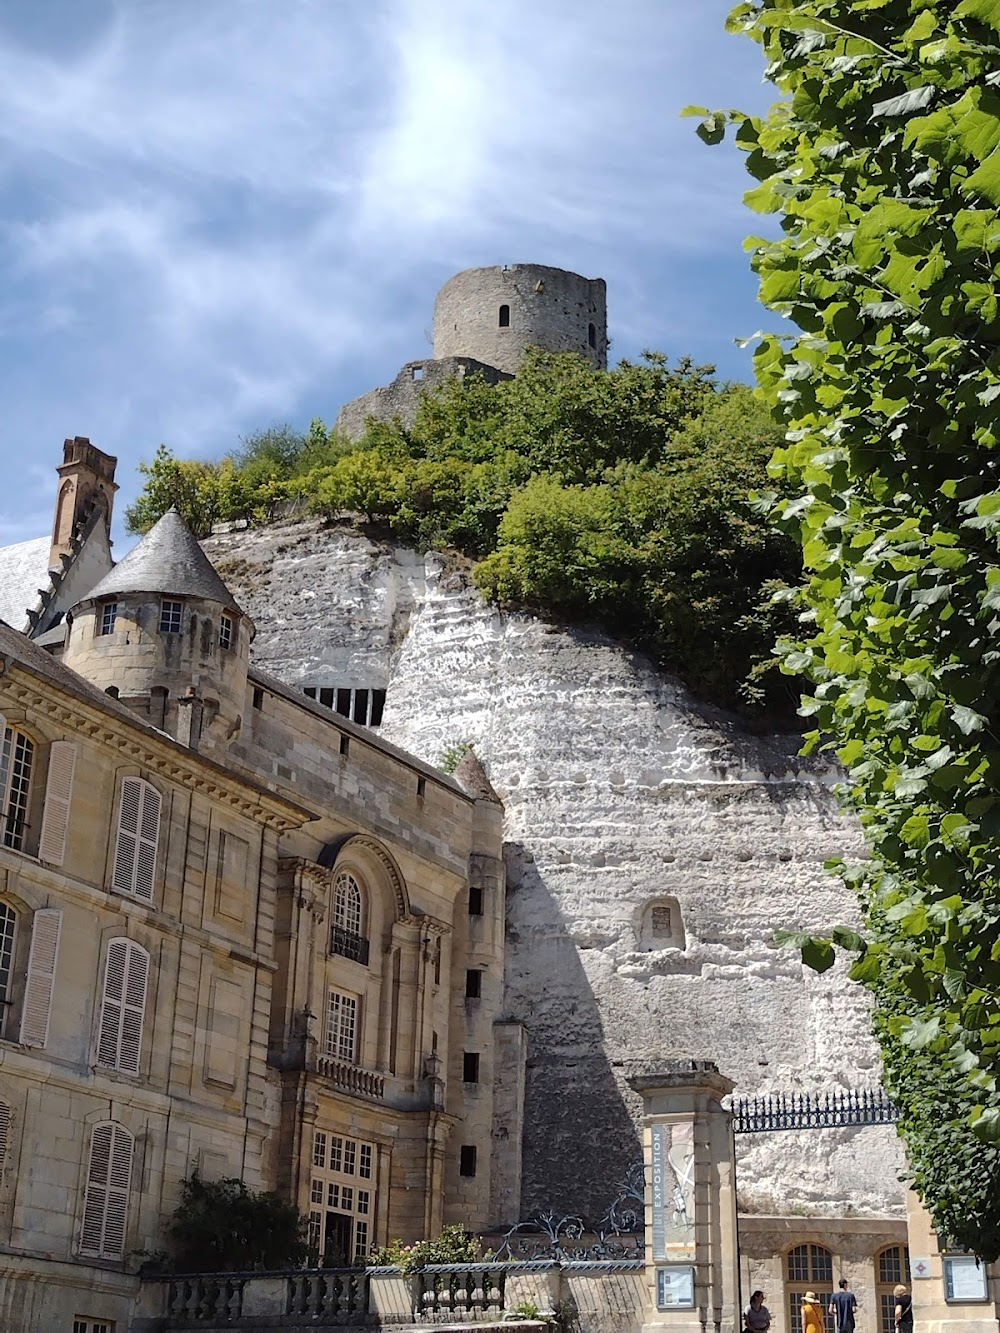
223,1227
453,1246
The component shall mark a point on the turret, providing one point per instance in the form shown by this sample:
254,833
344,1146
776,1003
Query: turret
165,635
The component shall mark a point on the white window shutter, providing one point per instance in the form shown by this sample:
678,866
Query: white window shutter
58,796
119,1041
137,838
4,1132
105,1209
149,833
45,928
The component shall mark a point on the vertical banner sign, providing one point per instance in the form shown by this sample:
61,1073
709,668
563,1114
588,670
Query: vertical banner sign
659,1198
672,1168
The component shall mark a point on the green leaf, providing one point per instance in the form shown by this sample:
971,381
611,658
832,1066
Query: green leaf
905,104
967,719
818,955
986,1125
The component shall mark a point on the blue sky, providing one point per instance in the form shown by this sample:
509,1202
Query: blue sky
216,215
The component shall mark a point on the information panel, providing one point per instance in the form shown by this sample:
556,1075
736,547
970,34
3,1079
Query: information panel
673,1190
675,1287
964,1278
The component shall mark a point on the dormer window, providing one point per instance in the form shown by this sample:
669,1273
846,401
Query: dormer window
109,614
226,632
170,617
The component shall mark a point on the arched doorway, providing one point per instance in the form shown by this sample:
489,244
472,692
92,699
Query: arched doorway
808,1268
892,1266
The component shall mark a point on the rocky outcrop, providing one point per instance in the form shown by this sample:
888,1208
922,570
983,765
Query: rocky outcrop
653,848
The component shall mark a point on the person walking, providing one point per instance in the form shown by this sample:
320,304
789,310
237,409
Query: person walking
843,1304
812,1313
904,1309
757,1317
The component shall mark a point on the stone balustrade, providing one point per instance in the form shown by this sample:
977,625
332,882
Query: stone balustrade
351,1078
593,1296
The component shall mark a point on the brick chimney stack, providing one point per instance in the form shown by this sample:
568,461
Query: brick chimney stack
86,479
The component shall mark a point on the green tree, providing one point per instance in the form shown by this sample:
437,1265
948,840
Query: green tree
223,1227
187,485
883,162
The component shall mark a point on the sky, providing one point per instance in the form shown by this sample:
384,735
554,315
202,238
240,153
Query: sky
220,215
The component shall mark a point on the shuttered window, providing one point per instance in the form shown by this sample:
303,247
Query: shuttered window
138,834
44,955
105,1208
58,796
4,1133
8,934
119,1042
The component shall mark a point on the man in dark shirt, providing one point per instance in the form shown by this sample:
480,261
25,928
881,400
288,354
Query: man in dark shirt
843,1305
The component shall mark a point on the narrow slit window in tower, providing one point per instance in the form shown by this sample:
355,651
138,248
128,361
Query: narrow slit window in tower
504,317
592,335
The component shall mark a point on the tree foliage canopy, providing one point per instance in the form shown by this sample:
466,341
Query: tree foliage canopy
223,1227
612,497
883,163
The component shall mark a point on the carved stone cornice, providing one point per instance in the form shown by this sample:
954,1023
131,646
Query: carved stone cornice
309,881
362,842
195,772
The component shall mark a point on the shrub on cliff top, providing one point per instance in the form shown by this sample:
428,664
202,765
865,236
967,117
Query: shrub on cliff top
618,498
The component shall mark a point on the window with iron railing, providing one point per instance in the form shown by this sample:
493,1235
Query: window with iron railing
347,929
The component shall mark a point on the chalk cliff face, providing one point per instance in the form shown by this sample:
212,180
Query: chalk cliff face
654,846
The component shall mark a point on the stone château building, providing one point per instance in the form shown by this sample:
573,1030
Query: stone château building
239,934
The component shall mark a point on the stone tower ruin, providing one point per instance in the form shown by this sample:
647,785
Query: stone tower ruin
485,319
496,314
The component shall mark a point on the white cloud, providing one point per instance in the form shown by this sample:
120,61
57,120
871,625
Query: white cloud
220,215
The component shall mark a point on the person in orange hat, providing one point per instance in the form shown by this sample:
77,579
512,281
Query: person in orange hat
812,1313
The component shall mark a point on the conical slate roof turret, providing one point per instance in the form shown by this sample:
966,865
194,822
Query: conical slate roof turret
168,560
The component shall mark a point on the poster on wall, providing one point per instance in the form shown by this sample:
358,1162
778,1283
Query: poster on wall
675,1287
964,1278
673,1190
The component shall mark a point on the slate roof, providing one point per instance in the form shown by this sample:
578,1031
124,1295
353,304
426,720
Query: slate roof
167,560
24,569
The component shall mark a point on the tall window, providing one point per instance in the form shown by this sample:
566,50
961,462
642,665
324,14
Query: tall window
226,632
893,1267
17,758
341,1199
119,1041
8,932
808,1268
346,937
109,614
591,335
105,1208
170,617
504,319
136,840
342,1027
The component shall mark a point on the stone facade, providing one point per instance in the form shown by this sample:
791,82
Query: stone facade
236,935
623,797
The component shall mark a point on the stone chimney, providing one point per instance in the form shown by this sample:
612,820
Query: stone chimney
86,479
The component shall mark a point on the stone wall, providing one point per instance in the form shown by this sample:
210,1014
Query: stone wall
401,397
622,795
546,307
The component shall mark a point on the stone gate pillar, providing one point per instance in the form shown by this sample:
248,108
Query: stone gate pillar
692,1259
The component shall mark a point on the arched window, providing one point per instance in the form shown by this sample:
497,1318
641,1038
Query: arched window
136,839
892,1266
591,335
8,932
808,1268
17,759
347,931
504,320
105,1207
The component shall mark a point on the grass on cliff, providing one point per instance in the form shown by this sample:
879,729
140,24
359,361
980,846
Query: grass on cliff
618,498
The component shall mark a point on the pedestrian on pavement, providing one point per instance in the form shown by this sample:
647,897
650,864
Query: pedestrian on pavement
904,1309
757,1317
843,1304
812,1314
